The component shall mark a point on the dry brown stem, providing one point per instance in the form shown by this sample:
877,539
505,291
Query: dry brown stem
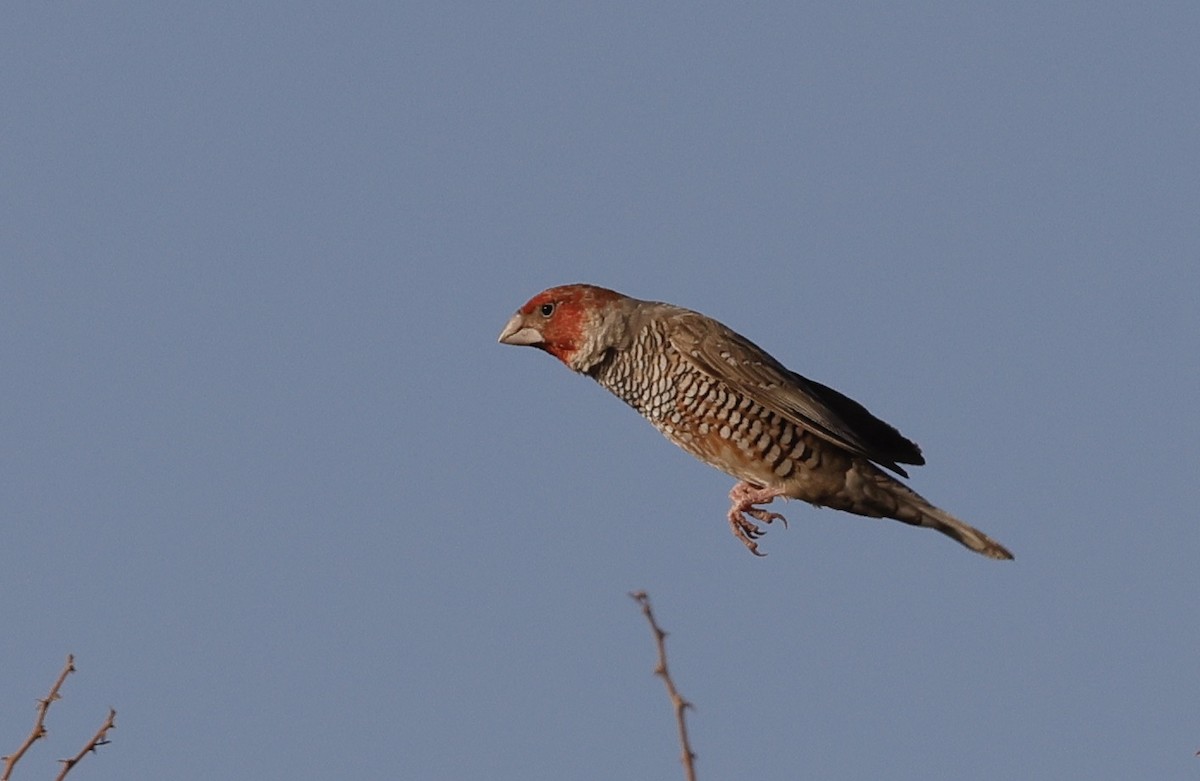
680,705
99,739
39,726
39,729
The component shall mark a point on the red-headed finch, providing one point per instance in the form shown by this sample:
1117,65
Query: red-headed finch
726,401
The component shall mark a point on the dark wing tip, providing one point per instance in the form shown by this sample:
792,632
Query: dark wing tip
885,445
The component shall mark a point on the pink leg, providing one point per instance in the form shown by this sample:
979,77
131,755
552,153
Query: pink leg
744,496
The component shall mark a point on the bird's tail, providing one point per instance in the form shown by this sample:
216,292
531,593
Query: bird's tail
893,499
947,524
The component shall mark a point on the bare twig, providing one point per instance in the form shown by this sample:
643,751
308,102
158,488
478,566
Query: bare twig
39,726
680,705
99,739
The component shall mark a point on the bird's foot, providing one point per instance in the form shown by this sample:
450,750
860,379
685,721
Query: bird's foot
744,496
745,531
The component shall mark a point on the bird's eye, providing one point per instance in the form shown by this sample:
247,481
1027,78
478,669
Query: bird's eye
547,310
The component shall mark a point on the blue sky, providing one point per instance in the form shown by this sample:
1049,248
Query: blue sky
268,475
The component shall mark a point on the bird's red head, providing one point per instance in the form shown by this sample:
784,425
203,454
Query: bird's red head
560,320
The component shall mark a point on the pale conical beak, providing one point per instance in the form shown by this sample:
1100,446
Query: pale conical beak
517,333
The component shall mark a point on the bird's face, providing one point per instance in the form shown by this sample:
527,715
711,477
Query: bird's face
559,320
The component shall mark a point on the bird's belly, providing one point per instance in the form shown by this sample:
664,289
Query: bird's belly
772,452
735,434
726,456
748,449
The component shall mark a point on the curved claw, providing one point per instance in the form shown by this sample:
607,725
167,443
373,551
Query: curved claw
744,497
746,531
766,517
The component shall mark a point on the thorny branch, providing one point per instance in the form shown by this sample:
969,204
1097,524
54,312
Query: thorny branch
39,729
39,726
99,739
677,701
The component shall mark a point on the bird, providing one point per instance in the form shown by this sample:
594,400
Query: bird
726,401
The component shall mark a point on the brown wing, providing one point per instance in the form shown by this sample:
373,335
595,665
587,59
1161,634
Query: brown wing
746,368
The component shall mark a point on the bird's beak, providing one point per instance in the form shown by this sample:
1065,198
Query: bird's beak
516,332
